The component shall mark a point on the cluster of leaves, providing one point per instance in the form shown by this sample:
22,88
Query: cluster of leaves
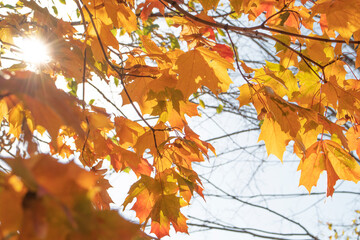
308,98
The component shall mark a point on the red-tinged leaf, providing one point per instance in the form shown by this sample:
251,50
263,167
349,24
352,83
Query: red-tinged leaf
166,211
202,145
148,6
224,51
185,153
180,225
188,182
332,177
121,158
145,191
157,200
161,227
102,198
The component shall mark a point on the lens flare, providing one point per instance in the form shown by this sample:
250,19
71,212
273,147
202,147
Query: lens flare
33,51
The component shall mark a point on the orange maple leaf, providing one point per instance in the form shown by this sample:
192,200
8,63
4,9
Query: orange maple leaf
331,157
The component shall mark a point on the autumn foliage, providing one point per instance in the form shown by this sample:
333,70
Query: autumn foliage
308,98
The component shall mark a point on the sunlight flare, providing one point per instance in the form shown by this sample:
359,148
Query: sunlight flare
33,51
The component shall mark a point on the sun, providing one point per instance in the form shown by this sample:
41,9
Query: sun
33,51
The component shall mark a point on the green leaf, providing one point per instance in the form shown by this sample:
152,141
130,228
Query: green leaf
55,10
195,94
114,31
174,42
126,170
221,32
72,85
219,109
62,1
116,81
202,104
91,102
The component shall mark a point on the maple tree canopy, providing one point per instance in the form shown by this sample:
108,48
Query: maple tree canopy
158,53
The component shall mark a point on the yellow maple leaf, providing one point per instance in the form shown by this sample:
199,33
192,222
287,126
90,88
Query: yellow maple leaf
121,15
275,139
202,67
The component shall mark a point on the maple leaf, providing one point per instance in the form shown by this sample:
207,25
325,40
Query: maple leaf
285,114
203,146
346,101
166,210
341,15
121,15
61,147
102,198
274,137
121,158
172,107
106,37
330,156
127,131
196,34
156,200
202,67
148,6
147,140
224,51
